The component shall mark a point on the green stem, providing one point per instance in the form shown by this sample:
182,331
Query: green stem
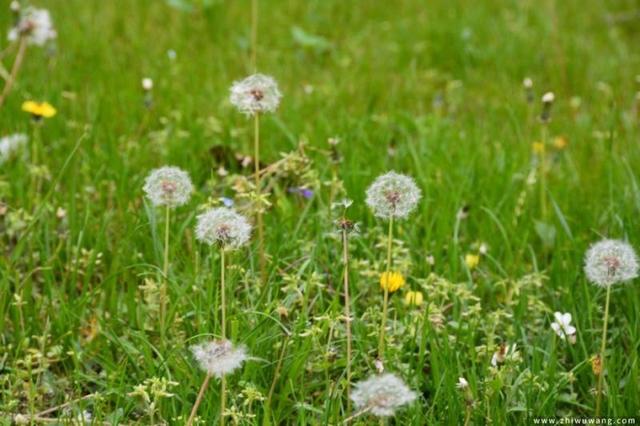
223,396
165,270
347,311
256,161
602,349
194,410
386,293
543,174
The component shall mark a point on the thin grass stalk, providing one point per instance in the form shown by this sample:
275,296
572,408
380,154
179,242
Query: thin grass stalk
223,386
17,64
386,293
194,410
603,347
258,183
347,311
165,271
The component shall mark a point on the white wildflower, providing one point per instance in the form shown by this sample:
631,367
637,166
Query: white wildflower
35,25
219,357
382,395
223,226
255,94
10,145
609,262
168,186
562,326
462,383
393,195
147,84
548,98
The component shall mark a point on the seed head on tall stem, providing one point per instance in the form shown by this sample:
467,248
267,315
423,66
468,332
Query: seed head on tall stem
169,187
606,263
391,196
225,228
255,95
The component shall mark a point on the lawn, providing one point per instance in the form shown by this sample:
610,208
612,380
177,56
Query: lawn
102,298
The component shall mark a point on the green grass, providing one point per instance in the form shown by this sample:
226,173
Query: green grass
439,81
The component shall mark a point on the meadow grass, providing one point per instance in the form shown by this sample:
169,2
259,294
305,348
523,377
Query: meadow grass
431,89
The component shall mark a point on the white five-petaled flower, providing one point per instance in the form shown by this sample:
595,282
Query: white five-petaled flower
256,94
393,195
562,326
609,262
9,145
223,226
462,383
382,394
168,186
219,357
35,25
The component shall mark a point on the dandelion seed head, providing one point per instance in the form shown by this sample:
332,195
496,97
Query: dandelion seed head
548,98
609,262
223,226
168,186
11,144
219,357
147,84
256,94
393,195
382,394
34,24
527,83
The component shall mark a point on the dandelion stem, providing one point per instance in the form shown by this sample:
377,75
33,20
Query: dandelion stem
602,349
194,410
17,63
224,332
386,293
256,161
347,311
165,270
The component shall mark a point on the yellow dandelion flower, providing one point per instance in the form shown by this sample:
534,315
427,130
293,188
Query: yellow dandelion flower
414,298
391,281
39,109
560,143
538,148
472,260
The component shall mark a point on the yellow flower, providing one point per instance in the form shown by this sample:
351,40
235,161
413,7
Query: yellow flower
538,148
472,260
391,281
39,109
413,298
560,143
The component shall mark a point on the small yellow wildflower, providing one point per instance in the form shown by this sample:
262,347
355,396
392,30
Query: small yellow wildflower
414,298
39,109
472,260
538,148
560,143
391,281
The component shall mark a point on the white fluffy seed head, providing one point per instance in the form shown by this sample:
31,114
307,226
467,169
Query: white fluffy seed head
168,186
609,262
147,84
393,195
223,226
382,394
10,145
548,97
219,357
256,94
35,25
